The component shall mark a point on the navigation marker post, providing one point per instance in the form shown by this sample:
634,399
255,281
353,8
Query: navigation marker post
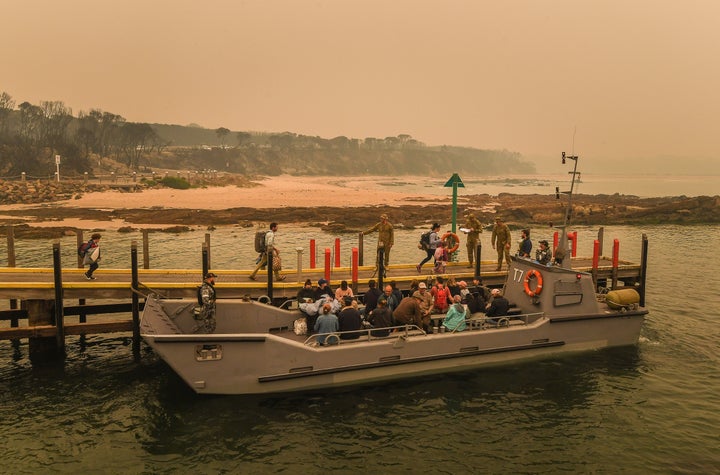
57,167
456,182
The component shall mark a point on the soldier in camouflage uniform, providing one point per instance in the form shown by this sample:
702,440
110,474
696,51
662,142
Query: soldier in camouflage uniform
386,239
206,300
473,235
501,241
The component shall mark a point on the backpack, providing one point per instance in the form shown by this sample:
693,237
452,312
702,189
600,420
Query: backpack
260,241
83,248
425,240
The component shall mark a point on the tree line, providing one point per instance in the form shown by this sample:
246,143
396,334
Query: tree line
32,134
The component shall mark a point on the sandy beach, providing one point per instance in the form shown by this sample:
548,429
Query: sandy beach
272,192
343,205
117,209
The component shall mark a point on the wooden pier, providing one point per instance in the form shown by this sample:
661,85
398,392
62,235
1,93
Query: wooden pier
47,295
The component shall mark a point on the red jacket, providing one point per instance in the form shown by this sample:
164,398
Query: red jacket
442,297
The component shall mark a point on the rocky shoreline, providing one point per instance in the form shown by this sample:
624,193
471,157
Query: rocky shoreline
518,211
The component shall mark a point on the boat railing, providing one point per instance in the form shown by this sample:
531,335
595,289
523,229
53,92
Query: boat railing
365,334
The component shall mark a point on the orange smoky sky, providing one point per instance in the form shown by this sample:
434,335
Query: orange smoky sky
627,79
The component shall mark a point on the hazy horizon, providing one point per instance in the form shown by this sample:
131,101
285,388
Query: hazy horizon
632,84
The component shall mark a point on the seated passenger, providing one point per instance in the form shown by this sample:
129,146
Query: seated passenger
323,288
327,322
464,291
455,318
371,297
474,305
306,294
453,286
343,291
392,301
441,296
349,320
426,303
498,306
381,317
481,294
409,311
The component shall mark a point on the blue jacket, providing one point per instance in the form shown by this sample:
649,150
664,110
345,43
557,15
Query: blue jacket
326,323
455,318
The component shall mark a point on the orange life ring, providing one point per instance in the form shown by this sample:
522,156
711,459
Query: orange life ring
455,237
526,282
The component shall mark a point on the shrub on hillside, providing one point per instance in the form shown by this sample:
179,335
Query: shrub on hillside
174,182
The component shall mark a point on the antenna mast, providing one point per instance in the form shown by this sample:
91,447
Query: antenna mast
561,253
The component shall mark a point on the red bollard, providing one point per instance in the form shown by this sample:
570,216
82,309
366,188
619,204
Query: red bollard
312,253
354,267
616,253
556,240
327,264
573,237
337,252
596,254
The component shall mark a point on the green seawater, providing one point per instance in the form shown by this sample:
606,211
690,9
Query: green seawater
649,408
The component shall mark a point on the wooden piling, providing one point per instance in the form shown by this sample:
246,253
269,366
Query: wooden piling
57,278
361,258
135,300
205,260
478,254
643,268
209,254
42,349
146,249
595,262
11,263
299,263
11,245
79,240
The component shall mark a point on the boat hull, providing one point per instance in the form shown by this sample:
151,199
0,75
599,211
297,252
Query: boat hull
271,362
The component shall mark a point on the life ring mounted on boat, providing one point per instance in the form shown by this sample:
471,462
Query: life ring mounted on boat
538,287
455,237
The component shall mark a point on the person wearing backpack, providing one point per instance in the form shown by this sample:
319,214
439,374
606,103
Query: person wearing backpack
269,243
430,244
91,255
